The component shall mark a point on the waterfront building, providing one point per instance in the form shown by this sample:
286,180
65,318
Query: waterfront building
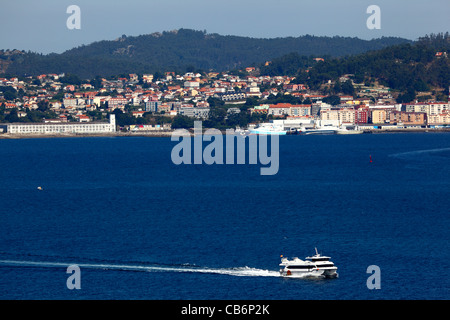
300,110
339,115
408,118
437,108
439,119
60,128
378,116
362,115
150,127
280,109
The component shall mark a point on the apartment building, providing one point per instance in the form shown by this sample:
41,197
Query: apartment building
60,128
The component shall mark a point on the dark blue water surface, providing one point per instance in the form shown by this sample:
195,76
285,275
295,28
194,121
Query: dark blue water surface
141,227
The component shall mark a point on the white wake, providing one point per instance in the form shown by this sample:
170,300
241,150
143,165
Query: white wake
412,154
239,271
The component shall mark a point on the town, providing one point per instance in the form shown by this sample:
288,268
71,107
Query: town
160,103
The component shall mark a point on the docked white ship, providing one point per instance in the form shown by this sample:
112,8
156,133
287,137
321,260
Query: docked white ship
349,130
269,128
315,266
325,129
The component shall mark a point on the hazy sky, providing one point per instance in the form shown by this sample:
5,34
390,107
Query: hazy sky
40,25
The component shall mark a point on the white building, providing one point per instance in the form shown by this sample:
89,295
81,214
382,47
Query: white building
70,102
430,108
191,84
61,128
437,108
343,115
439,119
194,112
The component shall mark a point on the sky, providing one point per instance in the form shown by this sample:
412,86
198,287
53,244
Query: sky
41,25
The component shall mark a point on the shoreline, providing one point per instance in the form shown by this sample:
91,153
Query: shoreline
166,134
425,130
86,135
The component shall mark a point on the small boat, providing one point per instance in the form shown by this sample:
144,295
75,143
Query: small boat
241,132
268,128
40,188
326,129
315,266
347,130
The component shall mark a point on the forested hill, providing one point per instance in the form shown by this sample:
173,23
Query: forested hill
179,50
409,68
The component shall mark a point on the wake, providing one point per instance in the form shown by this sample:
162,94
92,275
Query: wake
414,154
238,272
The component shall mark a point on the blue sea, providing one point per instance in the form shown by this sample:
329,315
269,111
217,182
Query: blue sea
140,227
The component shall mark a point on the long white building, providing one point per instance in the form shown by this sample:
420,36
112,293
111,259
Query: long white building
60,128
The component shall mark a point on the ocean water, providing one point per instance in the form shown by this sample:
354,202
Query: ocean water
141,227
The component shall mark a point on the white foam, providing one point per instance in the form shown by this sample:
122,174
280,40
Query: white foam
240,271
406,155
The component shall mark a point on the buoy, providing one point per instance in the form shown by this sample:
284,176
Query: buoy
370,157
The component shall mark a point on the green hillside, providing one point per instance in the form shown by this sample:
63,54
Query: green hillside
182,49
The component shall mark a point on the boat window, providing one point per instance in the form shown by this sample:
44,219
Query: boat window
320,259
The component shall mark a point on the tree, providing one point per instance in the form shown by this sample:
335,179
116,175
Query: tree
359,77
337,88
333,100
347,88
96,82
307,101
215,102
182,122
70,79
240,119
12,116
216,117
123,119
251,102
9,93
408,96
43,105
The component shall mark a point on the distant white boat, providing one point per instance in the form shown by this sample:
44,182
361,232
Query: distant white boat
40,188
346,130
326,129
268,128
242,132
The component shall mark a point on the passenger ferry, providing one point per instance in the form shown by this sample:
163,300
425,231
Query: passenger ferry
314,266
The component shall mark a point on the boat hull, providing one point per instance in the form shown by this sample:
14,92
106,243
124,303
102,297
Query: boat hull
320,132
300,274
349,132
267,132
330,274
317,272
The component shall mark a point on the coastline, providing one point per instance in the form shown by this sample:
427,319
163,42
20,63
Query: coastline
424,130
169,134
85,135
